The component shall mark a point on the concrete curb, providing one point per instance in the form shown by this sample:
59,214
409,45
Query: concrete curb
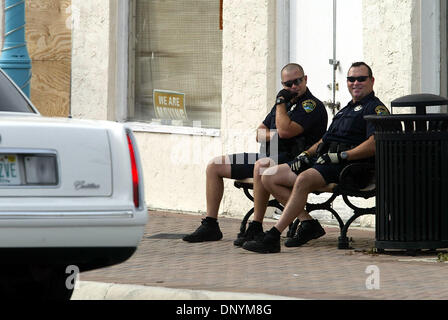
88,290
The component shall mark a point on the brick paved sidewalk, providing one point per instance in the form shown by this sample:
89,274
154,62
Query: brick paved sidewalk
317,270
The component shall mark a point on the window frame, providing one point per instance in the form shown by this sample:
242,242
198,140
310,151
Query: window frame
125,99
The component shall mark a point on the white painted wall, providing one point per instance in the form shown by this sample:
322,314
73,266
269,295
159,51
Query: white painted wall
430,49
312,43
349,39
90,59
283,35
392,46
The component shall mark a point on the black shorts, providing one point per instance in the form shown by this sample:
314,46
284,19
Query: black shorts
242,164
330,172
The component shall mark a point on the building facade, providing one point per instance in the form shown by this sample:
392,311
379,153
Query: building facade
195,78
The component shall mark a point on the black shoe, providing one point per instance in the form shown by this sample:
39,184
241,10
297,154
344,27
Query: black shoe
254,232
207,231
307,230
269,244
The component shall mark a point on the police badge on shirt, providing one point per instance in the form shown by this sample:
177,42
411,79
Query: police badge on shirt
382,111
309,105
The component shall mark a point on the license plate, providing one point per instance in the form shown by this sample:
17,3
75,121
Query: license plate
9,170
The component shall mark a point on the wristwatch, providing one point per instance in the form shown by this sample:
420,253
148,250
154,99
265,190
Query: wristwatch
279,100
344,155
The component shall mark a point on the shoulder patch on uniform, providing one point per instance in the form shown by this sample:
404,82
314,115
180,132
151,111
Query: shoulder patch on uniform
382,111
309,105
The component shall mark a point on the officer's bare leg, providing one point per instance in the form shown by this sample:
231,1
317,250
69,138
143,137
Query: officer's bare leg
217,169
261,195
279,181
306,182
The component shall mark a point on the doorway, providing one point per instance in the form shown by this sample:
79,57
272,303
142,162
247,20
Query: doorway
326,38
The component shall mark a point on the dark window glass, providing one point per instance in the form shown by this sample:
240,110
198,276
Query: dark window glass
11,100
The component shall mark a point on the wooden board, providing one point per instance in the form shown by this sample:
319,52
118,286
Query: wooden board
48,37
50,87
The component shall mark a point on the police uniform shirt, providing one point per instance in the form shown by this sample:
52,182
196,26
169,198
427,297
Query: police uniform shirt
310,113
350,127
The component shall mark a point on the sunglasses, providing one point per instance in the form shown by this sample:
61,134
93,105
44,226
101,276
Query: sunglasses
359,79
290,83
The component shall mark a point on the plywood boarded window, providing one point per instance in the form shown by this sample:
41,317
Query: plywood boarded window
176,58
48,36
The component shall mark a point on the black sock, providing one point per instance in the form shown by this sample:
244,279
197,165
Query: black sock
257,223
309,221
212,220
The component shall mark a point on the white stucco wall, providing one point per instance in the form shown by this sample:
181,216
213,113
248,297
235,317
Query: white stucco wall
392,46
248,88
90,59
174,169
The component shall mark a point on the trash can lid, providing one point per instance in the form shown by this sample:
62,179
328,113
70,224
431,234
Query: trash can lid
420,100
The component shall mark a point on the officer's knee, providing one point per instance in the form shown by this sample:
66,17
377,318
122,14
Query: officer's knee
267,182
262,165
308,181
270,178
217,166
264,162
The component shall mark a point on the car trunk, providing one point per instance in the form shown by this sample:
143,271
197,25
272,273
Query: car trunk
57,158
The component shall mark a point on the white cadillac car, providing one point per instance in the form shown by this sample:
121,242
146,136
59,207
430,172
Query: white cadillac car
71,197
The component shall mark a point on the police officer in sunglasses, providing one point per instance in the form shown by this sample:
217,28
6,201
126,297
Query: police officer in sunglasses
349,138
296,121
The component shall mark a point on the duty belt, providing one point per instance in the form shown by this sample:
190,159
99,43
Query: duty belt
339,147
333,147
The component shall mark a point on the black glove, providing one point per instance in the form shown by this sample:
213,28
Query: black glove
301,162
331,158
286,94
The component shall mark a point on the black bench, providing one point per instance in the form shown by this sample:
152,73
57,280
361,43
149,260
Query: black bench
356,180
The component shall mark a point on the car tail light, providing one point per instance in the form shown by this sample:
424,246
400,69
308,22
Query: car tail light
135,176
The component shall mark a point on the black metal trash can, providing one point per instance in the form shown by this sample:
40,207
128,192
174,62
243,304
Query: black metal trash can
412,176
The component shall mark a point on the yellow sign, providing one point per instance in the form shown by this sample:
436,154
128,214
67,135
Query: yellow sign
170,105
